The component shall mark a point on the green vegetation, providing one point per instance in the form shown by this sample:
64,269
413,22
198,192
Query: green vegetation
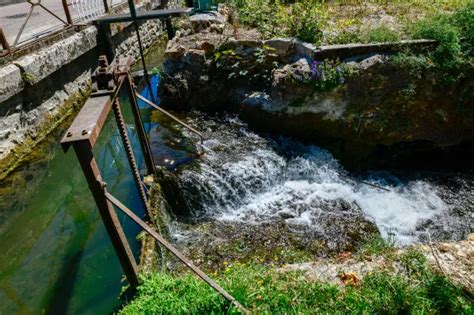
337,22
328,74
264,290
303,19
380,34
376,245
254,68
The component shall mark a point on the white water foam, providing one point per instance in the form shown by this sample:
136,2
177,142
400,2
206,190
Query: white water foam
251,182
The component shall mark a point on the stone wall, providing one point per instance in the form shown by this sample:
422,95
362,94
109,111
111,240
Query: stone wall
378,112
36,85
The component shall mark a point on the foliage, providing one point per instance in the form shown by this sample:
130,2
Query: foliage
455,34
259,14
447,35
327,74
380,34
268,291
340,22
254,68
303,19
463,19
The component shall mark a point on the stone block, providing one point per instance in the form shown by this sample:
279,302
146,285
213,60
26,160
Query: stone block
305,50
11,81
282,46
39,65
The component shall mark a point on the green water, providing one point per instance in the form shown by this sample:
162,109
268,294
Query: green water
56,257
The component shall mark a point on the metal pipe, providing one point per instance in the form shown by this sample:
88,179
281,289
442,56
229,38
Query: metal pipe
363,182
171,116
175,252
133,14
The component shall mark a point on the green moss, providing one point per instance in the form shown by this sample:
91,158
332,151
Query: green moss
29,149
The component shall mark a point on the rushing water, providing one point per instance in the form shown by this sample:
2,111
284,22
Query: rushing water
250,178
57,258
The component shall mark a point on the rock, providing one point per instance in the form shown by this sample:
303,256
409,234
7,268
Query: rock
203,21
282,46
39,65
456,260
289,82
369,62
148,180
195,57
174,52
470,237
302,49
208,47
11,81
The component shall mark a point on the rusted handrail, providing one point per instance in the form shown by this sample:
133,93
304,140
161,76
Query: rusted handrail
174,251
171,116
4,42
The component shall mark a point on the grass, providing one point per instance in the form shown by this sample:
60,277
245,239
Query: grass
376,245
339,22
264,290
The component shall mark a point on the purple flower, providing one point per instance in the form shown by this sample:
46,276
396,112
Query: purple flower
314,70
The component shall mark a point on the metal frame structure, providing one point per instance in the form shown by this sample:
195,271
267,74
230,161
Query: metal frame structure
76,13
4,43
108,81
32,8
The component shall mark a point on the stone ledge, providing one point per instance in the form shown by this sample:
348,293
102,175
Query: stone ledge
11,82
351,50
41,64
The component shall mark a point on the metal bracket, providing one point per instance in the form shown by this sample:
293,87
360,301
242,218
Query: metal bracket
105,77
104,80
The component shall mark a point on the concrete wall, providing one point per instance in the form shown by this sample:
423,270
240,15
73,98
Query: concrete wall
36,85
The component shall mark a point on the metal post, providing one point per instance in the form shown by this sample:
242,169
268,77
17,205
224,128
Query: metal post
106,38
91,171
169,29
144,143
4,42
133,14
106,6
122,127
66,12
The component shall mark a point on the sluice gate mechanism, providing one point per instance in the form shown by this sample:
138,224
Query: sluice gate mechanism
109,80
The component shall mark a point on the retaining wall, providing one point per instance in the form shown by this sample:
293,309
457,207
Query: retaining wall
36,85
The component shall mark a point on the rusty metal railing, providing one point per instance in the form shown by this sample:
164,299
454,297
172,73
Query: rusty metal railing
173,117
107,82
20,27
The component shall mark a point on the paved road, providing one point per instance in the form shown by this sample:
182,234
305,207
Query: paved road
41,22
